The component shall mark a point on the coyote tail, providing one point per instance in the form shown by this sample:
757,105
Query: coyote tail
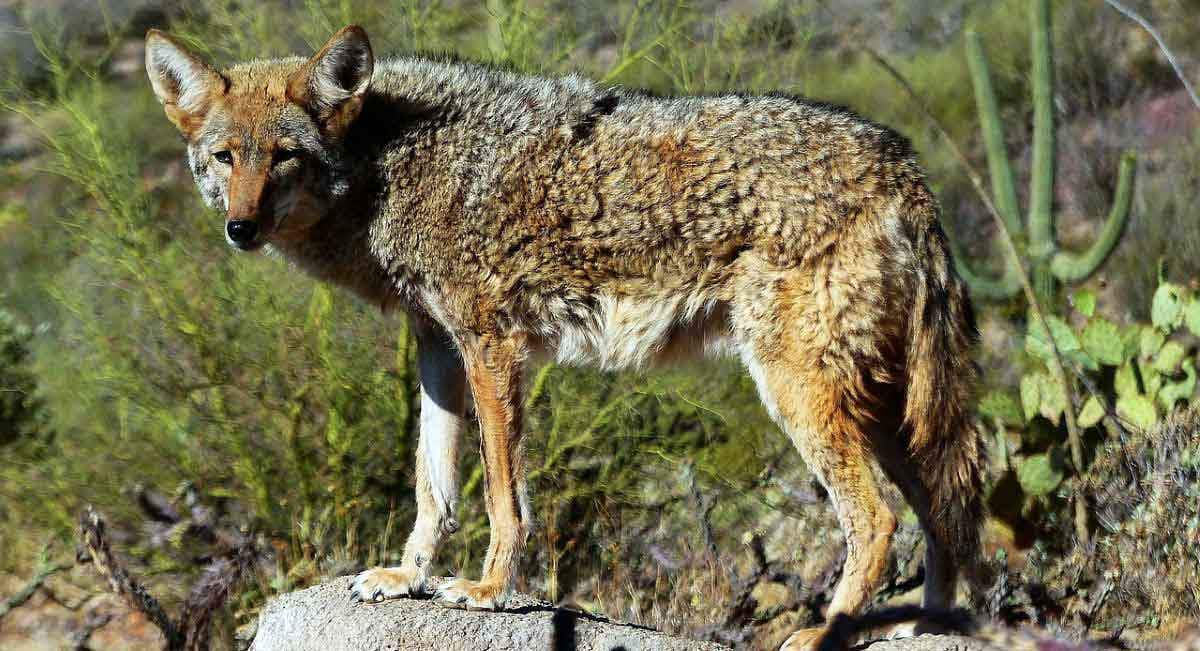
945,441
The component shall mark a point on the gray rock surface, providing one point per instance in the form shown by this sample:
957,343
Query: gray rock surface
932,643
323,618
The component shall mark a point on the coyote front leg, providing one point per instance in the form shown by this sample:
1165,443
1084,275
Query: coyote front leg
443,392
493,366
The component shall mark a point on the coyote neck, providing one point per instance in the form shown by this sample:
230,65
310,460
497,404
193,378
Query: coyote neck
368,239
337,249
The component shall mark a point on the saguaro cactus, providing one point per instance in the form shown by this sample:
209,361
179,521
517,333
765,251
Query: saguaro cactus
1047,263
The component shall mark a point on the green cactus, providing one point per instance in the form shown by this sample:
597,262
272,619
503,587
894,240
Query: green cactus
1047,263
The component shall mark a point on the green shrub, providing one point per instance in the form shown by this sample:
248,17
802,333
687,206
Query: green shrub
1126,378
22,412
1142,570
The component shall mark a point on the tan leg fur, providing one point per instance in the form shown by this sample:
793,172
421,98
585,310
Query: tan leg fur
494,365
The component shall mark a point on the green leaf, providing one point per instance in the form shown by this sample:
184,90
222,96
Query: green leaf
1191,316
1138,410
1166,311
1082,358
1150,341
1001,405
1039,474
1169,357
1091,414
333,431
1102,341
1039,346
1031,394
1054,399
1152,380
319,306
1173,392
1041,394
1085,302
1125,381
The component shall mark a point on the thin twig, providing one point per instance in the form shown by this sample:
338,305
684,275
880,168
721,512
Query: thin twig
44,571
94,545
1162,45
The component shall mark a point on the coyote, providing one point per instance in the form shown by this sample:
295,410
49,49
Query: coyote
516,218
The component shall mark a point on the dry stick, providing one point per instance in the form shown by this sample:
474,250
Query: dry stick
1137,18
94,543
191,631
44,571
1056,366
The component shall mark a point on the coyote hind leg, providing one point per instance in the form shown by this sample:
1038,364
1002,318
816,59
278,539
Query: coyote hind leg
819,416
941,572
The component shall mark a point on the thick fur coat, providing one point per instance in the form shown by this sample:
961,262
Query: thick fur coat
516,217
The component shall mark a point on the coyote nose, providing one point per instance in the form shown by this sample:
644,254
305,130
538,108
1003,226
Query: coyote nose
241,232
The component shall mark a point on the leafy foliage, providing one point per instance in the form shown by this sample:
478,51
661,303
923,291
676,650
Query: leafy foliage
1128,377
1141,570
22,412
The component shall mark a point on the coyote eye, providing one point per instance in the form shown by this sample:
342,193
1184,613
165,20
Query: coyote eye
223,157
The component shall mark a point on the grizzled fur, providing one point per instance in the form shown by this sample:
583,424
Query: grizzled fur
514,217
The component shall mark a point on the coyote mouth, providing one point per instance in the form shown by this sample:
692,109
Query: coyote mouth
254,245
249,246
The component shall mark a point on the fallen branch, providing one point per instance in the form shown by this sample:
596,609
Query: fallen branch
94,547
93,621
190,631
45,570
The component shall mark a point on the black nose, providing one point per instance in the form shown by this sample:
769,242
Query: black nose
242,232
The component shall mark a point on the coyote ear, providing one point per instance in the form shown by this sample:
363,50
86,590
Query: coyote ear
331,85
184,84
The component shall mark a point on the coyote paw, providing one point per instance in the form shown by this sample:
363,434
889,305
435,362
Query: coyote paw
379,583
471,594
805,639
908,629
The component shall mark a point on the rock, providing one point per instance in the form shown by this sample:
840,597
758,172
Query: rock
932,643
323,618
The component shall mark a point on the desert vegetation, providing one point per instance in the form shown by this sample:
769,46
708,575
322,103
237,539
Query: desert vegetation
222,408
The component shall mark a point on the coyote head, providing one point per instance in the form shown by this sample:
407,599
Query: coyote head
265,138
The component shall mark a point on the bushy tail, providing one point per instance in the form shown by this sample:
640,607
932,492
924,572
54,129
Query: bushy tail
945,442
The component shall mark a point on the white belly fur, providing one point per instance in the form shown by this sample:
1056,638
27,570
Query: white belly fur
640,332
